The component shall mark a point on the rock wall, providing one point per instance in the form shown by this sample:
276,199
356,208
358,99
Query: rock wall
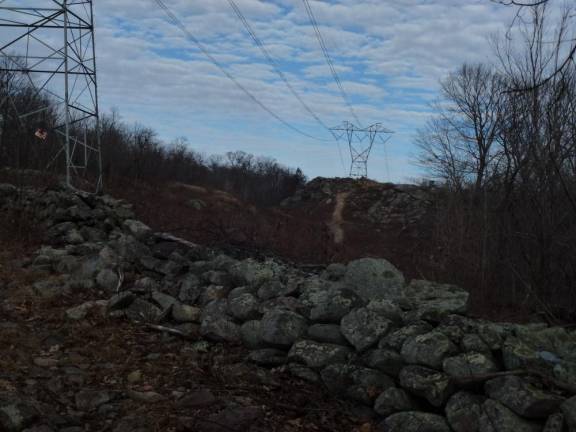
403,349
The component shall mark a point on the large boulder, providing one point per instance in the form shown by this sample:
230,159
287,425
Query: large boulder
556,340
469,364
318,355
184,313
463,411
107,280
15,414
251,272
569,411
518,355
275,288
566,372
7,191
429,349
414,421
137,228
220,330
364,327
267,357
360,384
251,335
304,373
215,310
334,305
374,279
436,387
497,418
387,309
473,343
282,303
385,360
282,328
144,311
90,400
393,400
244,307
368,384
326,333
554,423
433,301
396,338
522,397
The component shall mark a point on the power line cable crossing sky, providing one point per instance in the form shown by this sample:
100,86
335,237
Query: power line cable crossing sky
195,73
281,74
178,23
329,60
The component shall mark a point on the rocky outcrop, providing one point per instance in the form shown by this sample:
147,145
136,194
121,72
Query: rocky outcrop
403,349
386,204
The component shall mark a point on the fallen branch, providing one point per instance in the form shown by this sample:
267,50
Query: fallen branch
120,281
477,379
169,330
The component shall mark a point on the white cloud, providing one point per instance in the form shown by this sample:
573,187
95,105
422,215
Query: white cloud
389,55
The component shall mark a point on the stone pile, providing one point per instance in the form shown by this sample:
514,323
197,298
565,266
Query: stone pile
405,350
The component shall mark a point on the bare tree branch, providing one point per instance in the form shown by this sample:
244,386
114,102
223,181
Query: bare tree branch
561,66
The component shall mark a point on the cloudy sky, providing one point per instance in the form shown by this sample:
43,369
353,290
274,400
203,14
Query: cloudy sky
389,54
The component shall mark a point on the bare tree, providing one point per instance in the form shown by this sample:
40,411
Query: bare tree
519,147
565,43
459,144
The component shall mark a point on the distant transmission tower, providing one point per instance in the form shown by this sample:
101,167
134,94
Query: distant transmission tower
360,142
52,43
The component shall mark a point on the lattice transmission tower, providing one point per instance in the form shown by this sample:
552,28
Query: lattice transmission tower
360,142
51,43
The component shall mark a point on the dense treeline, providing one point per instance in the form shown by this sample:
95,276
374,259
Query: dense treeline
132,152
504,143
136,152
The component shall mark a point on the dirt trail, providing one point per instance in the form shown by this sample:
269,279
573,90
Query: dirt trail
337,219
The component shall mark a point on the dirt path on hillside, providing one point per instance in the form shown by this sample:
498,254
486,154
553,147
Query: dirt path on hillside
337,218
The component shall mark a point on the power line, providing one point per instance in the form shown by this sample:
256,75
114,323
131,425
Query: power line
281,74
329,59
178,23
272,61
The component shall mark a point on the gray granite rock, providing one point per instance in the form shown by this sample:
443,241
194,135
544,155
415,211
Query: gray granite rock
374,279
396,338
569,410
429,349
463,411
414,421
318,355
497,418
385,360
282,328
244,307
363,328
522,397
326,333
393,400
220,330
469,364
436,387
333,305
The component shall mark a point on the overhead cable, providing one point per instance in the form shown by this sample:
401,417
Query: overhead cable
178,23
282,75
329,59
